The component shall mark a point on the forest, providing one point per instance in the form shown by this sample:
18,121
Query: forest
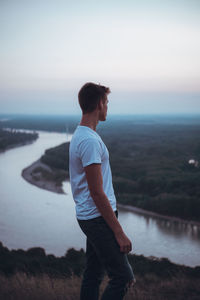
35,261
13,138
40,122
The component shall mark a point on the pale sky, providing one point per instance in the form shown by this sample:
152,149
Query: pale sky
146,51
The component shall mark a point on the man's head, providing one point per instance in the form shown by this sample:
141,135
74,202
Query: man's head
94,97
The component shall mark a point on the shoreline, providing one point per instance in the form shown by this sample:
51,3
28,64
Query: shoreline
156,215
17,145
38,180
51,186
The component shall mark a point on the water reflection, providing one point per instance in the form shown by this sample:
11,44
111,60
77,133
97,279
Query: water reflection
162,238
171,227
179,229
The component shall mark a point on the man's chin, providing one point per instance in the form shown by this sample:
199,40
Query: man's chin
102,119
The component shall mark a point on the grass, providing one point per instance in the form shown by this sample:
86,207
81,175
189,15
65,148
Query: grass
150,287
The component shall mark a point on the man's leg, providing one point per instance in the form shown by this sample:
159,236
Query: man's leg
120,275
116,263
92,276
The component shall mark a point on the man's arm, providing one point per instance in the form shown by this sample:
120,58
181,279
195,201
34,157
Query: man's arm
95,184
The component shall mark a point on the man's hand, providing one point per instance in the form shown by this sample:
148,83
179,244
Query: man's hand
124,242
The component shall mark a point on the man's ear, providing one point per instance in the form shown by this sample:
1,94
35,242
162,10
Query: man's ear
100,105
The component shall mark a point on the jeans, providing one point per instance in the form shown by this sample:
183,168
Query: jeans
103,254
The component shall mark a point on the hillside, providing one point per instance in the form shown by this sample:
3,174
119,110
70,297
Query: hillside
33,274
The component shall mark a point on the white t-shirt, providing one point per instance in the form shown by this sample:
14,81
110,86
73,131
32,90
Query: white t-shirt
86,148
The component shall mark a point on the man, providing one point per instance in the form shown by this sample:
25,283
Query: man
91,182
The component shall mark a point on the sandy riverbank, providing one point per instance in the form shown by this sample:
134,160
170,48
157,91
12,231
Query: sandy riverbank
34,175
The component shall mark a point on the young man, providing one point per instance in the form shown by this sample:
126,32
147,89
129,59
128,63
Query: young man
91,182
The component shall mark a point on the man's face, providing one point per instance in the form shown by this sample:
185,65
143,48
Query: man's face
104,109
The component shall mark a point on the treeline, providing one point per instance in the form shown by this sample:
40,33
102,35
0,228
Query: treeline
12,138
41,122
35,261
57,157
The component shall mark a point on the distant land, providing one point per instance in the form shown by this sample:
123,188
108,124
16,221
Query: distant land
150,159
13,138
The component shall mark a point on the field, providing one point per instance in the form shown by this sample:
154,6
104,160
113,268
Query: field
23,287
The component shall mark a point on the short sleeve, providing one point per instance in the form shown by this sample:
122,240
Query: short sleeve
90,152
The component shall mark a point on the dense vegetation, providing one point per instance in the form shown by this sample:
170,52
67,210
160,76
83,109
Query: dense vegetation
57,157
151,170
40,122
35,261
12,138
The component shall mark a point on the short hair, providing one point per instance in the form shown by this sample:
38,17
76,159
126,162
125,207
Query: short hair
90,95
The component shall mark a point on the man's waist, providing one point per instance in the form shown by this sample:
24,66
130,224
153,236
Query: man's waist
97,218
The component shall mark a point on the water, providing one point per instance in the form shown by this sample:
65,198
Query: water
31,217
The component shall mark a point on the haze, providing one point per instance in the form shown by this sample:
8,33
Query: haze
147,52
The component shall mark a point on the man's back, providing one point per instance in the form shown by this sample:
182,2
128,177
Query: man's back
87,148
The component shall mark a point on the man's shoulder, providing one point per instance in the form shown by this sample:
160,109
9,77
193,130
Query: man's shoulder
88,142
80,140
82,134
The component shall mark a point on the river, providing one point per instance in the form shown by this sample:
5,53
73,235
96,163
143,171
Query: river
32,217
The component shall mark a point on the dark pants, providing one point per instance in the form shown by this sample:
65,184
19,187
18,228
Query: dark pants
103,253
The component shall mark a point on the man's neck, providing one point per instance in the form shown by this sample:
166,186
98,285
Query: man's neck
90,121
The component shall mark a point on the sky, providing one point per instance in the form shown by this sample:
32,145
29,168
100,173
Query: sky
147,52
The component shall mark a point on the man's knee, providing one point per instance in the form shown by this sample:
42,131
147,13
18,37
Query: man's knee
93,276
127,280
123,278
122,272
127,273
